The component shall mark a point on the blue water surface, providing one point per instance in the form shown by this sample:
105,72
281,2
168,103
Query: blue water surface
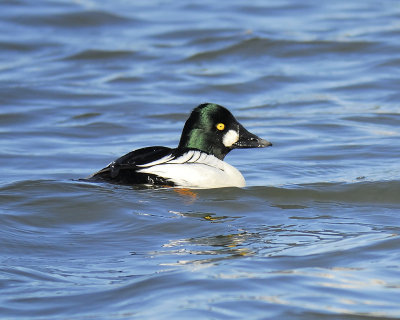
314,235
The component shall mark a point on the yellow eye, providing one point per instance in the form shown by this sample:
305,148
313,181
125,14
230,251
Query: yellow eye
220,126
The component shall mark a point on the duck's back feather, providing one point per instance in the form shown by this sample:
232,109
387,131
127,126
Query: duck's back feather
124,169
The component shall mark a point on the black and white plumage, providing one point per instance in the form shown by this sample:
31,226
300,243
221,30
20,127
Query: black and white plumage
208,135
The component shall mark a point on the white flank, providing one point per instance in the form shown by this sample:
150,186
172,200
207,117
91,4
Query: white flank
230,138
196,169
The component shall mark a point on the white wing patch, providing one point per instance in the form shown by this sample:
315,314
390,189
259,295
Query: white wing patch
230,138
156,162
195,169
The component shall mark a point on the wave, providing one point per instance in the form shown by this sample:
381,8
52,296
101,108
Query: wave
100,54
260,47
366,192
78,19
373,192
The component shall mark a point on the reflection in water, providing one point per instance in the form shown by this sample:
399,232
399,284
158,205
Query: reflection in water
207,249
309,240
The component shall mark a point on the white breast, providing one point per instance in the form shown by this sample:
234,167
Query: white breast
196,169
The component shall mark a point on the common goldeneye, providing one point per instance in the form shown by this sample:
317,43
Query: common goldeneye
207,137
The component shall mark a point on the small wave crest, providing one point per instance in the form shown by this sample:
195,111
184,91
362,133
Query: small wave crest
374,192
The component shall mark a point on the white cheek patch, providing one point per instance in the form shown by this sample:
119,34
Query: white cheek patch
230,138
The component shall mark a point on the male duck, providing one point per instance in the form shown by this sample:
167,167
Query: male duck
207,137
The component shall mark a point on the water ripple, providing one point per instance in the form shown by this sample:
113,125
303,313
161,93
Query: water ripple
78,19
314,235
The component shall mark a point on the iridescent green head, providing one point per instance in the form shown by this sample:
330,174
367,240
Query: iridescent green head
213,129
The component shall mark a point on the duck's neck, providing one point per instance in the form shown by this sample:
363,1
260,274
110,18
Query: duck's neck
197,139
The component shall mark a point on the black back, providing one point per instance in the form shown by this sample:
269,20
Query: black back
124,169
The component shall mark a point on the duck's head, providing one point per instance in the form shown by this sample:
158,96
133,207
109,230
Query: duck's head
213,129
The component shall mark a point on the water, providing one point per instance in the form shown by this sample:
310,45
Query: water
314,235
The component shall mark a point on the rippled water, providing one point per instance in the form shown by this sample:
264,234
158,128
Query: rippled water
314,235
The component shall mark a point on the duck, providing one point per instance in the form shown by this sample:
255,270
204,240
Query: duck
209,134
